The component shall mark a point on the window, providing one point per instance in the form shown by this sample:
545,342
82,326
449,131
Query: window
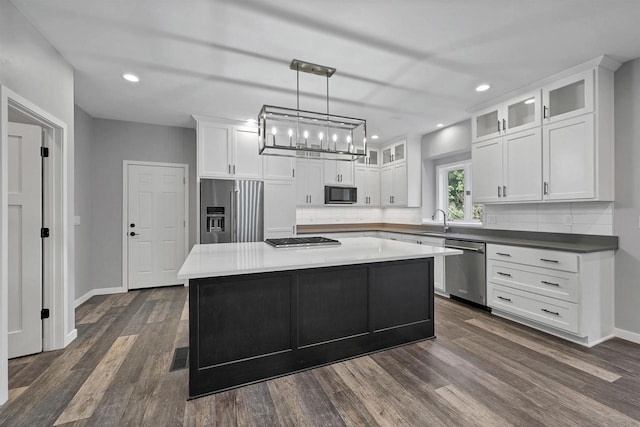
454,192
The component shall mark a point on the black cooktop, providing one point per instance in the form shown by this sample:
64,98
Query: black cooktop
301,242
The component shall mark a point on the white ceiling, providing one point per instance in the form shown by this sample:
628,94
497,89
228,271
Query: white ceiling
403,65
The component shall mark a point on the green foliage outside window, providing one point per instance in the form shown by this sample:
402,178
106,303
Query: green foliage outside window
456,197
456,194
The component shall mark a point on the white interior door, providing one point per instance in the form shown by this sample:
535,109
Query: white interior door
155,225
25,244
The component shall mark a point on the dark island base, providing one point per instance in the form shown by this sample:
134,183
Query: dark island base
248,328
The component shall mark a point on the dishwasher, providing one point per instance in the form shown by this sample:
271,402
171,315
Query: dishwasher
465,275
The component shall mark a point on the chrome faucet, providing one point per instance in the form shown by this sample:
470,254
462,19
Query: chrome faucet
444,216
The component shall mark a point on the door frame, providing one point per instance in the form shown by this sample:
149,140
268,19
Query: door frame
58,284
125,211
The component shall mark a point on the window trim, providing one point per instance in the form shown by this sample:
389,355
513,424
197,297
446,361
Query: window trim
442,190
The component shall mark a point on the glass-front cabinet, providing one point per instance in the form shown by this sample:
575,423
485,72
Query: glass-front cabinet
522,112
372,158
569,97
486,124
394,153
514,115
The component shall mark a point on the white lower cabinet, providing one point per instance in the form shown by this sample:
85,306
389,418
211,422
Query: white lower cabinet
279,209
563,293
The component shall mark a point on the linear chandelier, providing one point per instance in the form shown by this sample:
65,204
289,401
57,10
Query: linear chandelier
292,132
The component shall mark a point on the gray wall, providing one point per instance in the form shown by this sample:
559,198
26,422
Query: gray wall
113,142
627,205
447,141
83,136
32,68
447,145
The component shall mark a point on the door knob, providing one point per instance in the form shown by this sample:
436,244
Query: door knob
133,234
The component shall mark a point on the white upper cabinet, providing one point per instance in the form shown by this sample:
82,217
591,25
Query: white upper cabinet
246,161
393,185
279,168
522,112
508,169
367,181
227,151
338,172
214,149
486,158
557,142
517,114
568,97
372,159
309,182
486,124
569,159
396,152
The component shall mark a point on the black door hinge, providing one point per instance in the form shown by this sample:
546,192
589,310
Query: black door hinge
44,313
44,232
44,152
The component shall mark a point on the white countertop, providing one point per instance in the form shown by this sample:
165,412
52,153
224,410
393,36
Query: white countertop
228,259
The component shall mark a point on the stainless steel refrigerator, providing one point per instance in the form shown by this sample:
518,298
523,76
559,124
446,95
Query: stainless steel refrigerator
231,211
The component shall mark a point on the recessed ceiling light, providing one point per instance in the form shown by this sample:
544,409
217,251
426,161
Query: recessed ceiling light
530,101
439,125
482,87
130,77
252,121
374,137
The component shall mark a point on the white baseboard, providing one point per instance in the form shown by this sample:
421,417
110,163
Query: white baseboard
70,337
628,335
100,291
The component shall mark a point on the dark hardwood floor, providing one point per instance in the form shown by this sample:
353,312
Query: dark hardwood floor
479,371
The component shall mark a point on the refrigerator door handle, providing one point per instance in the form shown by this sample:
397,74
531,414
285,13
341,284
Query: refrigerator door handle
236,203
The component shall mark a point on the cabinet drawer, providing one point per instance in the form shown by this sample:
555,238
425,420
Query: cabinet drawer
555,260
551,283
552,312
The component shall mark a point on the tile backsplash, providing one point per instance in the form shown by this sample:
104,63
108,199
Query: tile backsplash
353,215
576,218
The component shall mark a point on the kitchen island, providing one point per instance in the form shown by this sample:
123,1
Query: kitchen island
257,312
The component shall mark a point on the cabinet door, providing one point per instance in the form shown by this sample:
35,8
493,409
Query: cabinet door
331,172
315,187
373,157
438,263
279,209
247,161
345,172
522,113
522,166
569,159
486,124
400,152
361,185
276,167
387,155
214,150
386,185
400,189
486,159
302,187
373,186
569,97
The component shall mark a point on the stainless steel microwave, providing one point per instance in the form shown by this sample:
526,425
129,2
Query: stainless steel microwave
340,195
